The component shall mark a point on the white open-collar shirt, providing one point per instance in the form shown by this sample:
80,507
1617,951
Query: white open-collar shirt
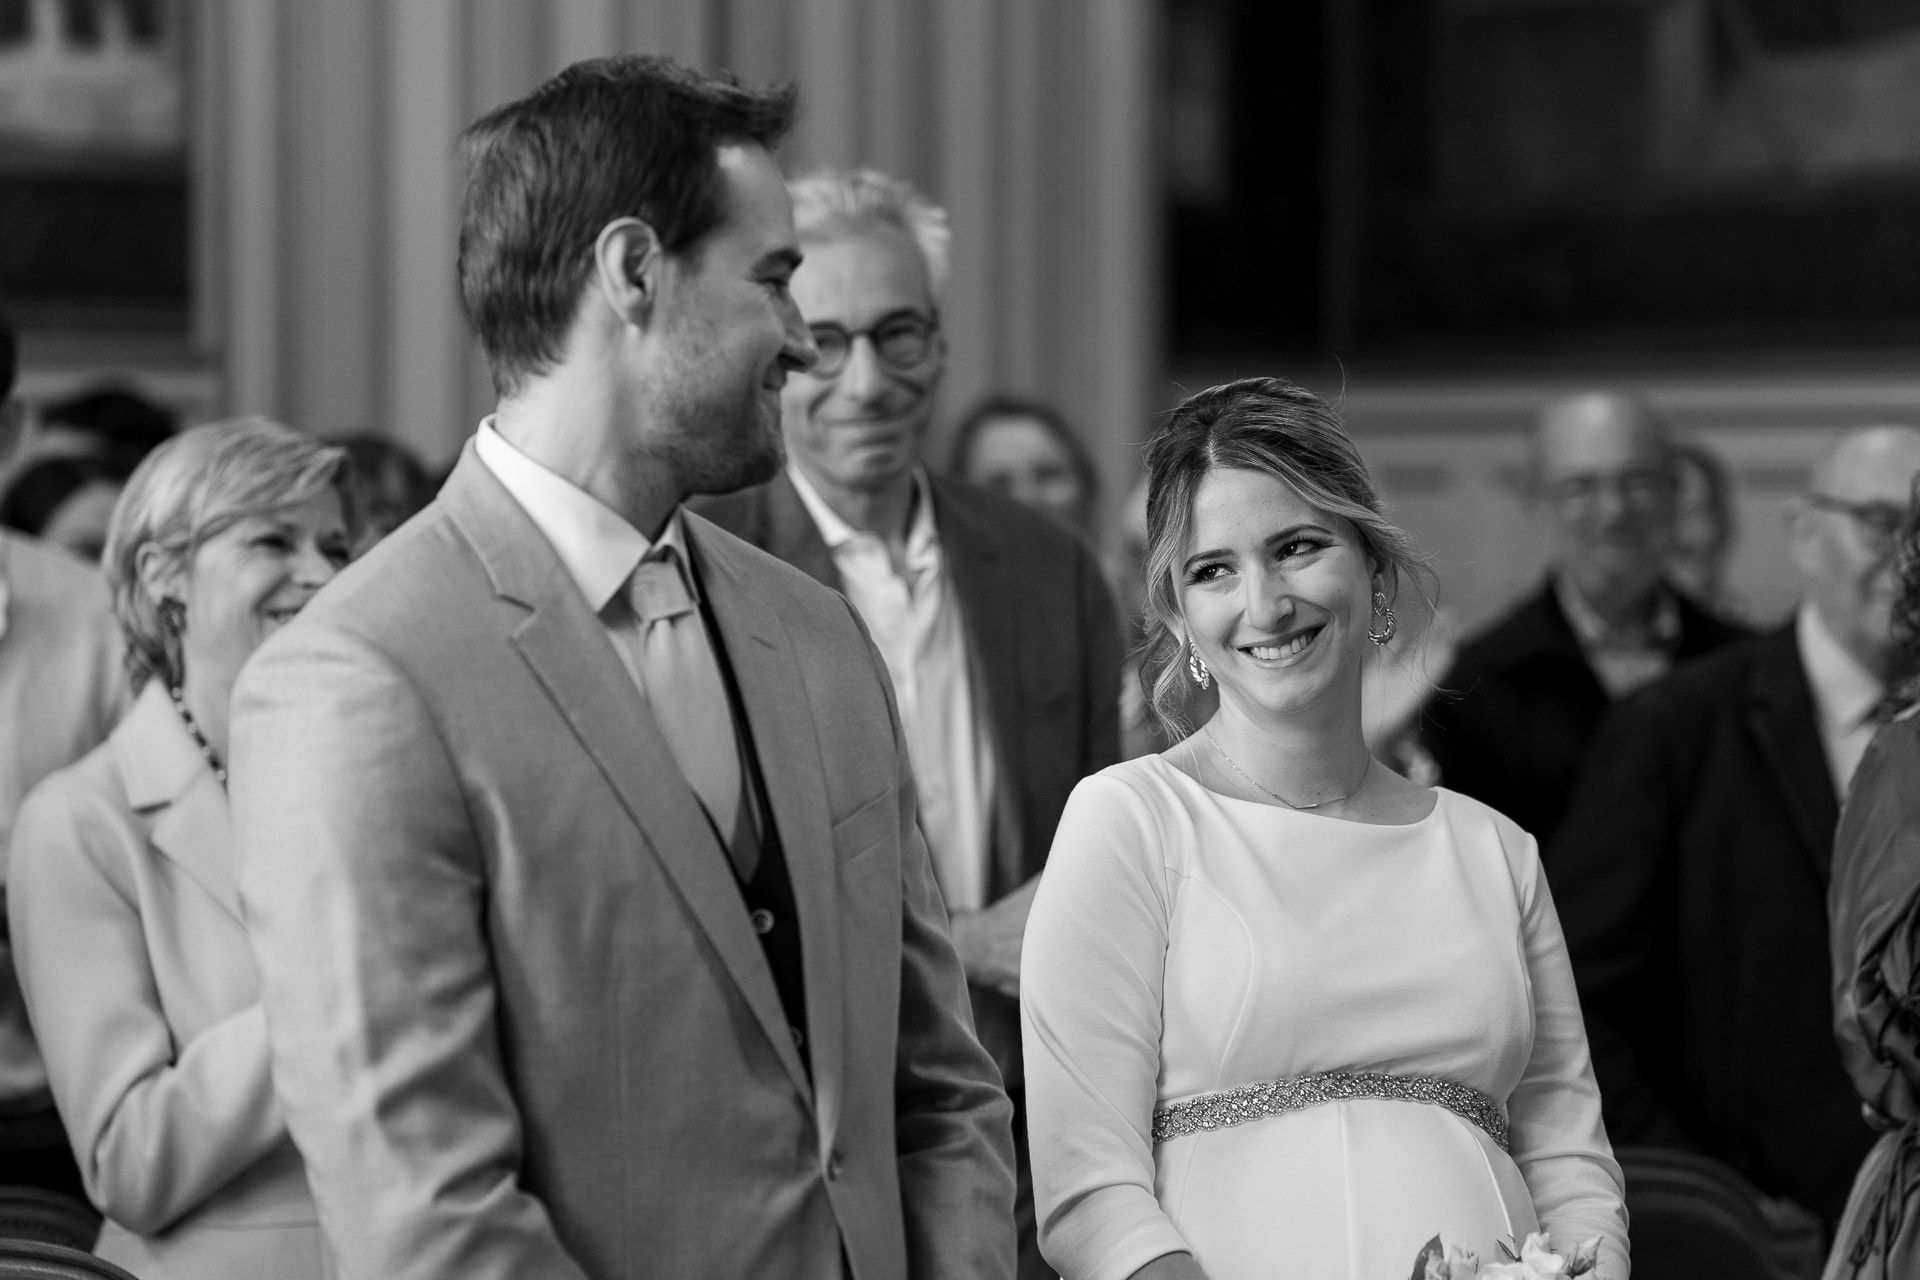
914,615
1844,696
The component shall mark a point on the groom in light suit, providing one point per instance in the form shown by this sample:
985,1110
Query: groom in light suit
578,845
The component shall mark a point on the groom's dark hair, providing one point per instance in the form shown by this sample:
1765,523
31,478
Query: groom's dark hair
608,138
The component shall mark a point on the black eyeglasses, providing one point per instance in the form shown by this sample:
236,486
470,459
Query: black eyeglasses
903,340
1880,522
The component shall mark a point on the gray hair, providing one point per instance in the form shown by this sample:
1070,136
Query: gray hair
189,489
830,201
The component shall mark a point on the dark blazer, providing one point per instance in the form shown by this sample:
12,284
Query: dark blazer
1691,876
521,1022
1046,648
1527,706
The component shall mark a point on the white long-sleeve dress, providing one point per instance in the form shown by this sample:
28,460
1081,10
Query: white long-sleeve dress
1185,942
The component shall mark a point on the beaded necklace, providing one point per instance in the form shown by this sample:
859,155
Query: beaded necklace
199,739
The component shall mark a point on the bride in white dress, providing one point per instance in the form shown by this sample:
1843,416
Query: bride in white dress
1289,1015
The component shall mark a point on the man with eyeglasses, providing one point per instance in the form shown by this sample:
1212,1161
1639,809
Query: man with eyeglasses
996,626
1525,696
1691,871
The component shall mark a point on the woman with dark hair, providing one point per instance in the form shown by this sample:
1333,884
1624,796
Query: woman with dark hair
1874,904
65,501
108,422
389,483
1288,1013
1024,450
127,936
1705,525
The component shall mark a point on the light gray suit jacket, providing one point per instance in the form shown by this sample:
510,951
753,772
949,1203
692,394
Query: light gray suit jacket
520,1020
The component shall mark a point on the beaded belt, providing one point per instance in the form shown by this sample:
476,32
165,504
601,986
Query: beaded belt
1274,1097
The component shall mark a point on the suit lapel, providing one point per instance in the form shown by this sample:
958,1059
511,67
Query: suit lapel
1780,715
574,661
1552,634
1700,631
167,779
1538,632
792,535
194,832
773,695
982,569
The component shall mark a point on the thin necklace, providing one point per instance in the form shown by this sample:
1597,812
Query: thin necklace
1348,794
200,739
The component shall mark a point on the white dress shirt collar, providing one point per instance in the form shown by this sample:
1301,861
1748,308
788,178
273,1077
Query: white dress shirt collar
596,546
923,536
1844,694
1661,630
1623,659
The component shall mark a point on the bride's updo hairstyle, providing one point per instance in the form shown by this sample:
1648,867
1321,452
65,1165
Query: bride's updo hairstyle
1270,426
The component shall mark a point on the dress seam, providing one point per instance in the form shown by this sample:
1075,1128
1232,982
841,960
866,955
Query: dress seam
1243,1010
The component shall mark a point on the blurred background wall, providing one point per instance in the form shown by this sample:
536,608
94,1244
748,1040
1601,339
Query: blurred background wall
1449,211
322,196
1442,212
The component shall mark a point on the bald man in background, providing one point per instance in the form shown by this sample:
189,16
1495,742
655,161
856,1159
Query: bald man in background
1691,872
1521,705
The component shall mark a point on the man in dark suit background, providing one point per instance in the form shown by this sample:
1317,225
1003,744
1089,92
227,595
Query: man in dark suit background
1691,872
997,627
1532,688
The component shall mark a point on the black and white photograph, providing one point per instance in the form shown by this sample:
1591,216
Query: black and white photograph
959,639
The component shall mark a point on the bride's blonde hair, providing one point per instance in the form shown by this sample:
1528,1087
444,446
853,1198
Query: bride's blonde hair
1271,426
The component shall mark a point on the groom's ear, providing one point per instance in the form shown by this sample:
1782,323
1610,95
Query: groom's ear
628,262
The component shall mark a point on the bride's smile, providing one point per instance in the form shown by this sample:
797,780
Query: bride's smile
1282,652
1276,592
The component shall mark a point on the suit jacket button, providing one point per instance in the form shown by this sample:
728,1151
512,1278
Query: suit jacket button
762,921
833,1166
799,1037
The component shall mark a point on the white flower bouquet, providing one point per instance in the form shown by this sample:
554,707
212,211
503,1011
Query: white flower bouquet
1534,1260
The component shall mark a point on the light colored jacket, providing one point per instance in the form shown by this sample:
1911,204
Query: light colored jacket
520,1018
144,998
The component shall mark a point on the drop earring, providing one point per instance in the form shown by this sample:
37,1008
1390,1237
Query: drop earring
1383,630
1196,668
